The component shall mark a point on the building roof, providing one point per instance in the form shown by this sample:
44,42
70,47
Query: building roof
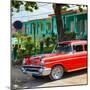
63,12
37,19
68,11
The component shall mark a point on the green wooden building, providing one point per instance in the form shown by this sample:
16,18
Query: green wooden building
73,21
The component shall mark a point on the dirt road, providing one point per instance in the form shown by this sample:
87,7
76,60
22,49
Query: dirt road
20,80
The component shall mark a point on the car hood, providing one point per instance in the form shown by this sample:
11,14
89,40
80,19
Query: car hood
37,58
46,55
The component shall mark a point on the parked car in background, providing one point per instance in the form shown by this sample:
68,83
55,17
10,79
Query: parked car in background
67,56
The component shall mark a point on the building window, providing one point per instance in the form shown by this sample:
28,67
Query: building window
48,26
72,26
38,25
28,29
34,26
41,24
86,25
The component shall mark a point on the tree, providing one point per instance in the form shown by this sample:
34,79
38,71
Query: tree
28,6
58,12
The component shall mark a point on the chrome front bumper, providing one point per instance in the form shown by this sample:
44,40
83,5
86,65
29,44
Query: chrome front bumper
36,70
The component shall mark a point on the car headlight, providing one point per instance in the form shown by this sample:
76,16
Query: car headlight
41,62
23,61
41,70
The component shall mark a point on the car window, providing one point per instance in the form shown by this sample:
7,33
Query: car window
63,48
78,48
85,46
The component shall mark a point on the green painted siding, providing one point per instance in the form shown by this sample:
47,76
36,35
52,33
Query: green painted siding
72,22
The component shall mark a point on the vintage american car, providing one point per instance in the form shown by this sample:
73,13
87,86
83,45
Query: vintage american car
67,56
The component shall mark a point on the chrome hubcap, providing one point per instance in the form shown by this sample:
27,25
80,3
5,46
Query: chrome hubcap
57,72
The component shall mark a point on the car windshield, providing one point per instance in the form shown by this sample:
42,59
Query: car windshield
66,48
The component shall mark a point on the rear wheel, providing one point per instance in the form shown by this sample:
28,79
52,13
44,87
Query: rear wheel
56,72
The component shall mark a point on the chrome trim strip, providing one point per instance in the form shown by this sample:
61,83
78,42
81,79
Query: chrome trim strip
59,56
31,65
45,71
76,69
56,56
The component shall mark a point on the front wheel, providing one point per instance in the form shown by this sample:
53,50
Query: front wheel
56,72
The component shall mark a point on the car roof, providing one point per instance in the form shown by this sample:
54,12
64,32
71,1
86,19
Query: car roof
74,42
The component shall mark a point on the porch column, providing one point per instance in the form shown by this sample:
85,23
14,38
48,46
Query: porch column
75,22
44,26
36,29
55,26
52,25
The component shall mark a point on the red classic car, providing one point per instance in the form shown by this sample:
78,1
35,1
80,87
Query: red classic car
67,56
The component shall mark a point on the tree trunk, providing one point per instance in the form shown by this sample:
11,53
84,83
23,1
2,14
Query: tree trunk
57,11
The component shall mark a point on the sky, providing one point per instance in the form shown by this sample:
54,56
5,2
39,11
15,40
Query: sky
44,10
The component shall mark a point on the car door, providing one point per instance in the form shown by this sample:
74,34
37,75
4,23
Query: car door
79,56
86,60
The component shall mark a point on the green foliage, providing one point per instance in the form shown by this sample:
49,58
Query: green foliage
47,41
48,50
29,44
25,42
65,7
80,7
69,36
53,38
28,6
26,47
16,4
